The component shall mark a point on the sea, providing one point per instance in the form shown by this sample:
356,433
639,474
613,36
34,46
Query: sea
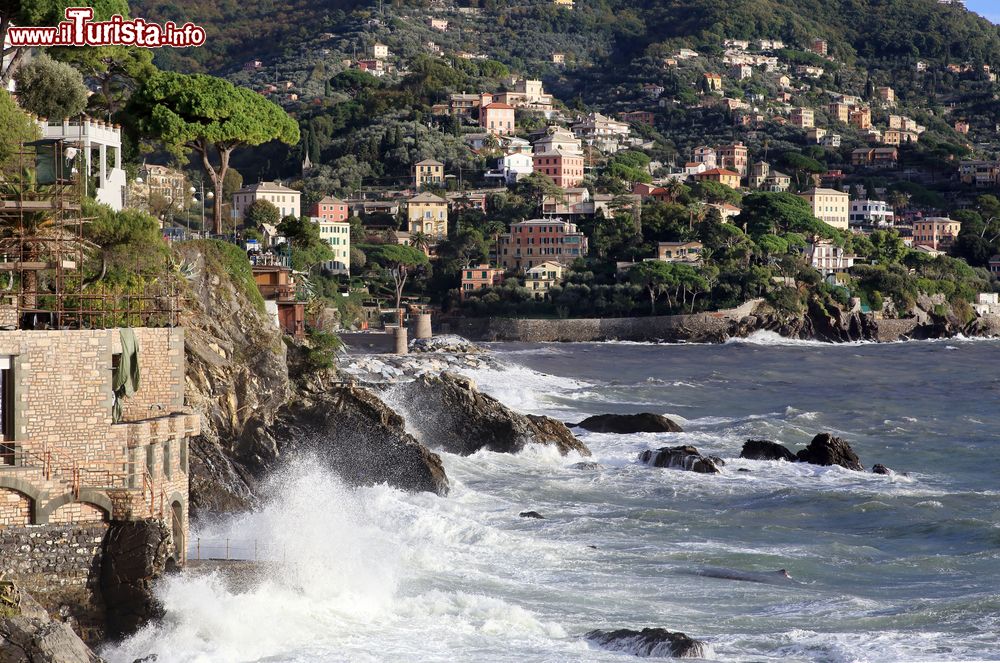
904,567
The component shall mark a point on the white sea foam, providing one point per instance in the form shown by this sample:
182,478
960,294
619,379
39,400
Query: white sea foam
373,574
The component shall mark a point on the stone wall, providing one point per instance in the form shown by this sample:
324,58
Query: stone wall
706,326
890,330
60,565
161,362
72,463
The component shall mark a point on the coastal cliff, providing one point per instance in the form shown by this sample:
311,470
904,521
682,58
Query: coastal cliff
257,412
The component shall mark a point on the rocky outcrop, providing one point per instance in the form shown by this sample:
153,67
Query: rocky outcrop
29,635
681,458
452,414
626,424
656,642
766,450
825,449
135,556
236,372
879,468
262,400
353,432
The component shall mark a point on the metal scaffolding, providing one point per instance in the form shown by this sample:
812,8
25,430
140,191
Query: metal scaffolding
44,249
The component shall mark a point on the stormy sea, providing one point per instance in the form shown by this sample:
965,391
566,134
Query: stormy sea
899,567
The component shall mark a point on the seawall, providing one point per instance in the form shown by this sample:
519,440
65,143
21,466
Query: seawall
60,566
713,326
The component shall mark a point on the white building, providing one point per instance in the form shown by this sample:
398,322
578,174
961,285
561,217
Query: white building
987,303
596,125
338,235
828,258
872,213
558,139
512,167
102,138
288,201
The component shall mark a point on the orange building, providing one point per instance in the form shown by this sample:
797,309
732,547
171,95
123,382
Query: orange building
566,170
478,278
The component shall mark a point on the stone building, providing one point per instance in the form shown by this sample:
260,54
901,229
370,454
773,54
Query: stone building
76,450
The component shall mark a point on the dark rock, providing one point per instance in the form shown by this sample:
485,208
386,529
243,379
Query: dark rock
626,424
454,415
879,468
532,514
355,434
684,458
592,547
135,557
743,469
719,462
29,635
585,466
650,642
825,449
236,373
766,450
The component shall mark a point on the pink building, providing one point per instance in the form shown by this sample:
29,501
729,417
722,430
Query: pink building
566,170
936,232
329,209
735,157
478,278
530,243
497,118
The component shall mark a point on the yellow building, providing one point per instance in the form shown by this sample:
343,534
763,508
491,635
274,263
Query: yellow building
428,214
803,118
728,177
428,172
540,278
829,206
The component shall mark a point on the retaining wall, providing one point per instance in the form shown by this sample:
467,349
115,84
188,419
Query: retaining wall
60,566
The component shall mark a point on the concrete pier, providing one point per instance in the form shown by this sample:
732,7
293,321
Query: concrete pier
422,327
402,343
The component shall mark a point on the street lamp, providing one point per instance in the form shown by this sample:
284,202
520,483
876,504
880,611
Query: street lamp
210,196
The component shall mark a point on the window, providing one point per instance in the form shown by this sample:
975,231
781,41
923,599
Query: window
166,459
150,461
6,411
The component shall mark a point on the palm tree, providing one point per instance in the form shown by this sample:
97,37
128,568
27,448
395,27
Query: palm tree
420,240
33,232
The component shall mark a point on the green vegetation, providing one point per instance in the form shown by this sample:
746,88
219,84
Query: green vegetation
230,261
209,116
50,89
15,128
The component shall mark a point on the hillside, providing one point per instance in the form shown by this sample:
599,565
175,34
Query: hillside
593,32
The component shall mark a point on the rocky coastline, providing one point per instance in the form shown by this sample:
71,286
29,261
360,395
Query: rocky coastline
264,404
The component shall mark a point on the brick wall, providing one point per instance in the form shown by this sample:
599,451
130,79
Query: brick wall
15,508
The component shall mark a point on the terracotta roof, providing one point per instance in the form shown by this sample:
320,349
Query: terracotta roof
720,171
499,106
